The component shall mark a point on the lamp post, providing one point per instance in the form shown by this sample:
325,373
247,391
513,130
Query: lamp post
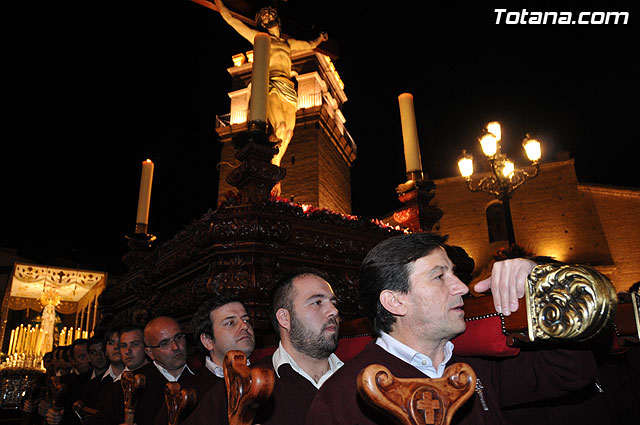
504,178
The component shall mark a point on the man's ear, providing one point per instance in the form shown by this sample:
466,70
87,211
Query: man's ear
394,302
284,318
149,352
207,341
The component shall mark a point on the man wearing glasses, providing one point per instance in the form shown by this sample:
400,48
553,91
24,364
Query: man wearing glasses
166,346
164,342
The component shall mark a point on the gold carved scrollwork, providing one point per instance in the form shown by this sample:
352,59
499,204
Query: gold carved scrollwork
567,302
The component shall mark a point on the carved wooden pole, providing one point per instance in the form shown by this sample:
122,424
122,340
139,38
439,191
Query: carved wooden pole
132,387
178,401
246,388
418,401
58,393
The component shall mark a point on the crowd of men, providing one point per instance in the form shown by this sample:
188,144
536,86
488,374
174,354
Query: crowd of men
411,293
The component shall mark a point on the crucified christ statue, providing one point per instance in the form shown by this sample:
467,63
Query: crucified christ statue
282,101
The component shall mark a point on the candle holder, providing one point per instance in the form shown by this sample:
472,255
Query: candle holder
416,193
256,175
257,126
140,244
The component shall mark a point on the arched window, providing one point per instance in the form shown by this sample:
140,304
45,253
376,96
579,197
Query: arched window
496,223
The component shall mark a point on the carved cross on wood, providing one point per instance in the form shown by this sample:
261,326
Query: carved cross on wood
428,405
418,401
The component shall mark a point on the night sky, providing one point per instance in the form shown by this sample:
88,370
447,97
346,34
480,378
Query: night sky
96,89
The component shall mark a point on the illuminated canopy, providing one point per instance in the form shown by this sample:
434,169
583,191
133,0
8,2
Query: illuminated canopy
33,286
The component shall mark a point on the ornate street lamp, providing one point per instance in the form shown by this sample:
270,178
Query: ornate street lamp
504,178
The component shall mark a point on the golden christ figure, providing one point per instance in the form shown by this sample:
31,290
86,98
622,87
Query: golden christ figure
282,102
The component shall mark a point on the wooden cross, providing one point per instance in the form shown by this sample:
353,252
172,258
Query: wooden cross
428,405
414,401
329,47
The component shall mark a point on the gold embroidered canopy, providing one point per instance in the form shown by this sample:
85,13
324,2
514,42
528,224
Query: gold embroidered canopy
45,288
70,290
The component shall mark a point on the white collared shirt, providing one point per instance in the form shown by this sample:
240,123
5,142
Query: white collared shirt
213,367
414,358
110,373
280,357
169,376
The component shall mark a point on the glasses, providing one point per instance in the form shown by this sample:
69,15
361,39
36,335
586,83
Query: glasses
166,343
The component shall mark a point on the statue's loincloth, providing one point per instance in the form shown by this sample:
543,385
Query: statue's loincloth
284,88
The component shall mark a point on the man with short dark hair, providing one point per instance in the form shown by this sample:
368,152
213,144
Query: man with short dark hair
62,360
75,380
97,357
112,352
132,350
414,300
220,324
306,318
165,343
80,354
110,405
99,378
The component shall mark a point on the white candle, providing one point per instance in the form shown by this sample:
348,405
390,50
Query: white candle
260,77
144,196
20,337
409,133
27,346
12,341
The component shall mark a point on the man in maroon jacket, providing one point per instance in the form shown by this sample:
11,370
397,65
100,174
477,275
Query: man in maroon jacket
220,324
305,316
165,344
409,291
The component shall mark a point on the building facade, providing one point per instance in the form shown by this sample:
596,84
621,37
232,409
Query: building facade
553,215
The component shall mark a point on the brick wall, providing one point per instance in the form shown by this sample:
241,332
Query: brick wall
619,212
552,215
